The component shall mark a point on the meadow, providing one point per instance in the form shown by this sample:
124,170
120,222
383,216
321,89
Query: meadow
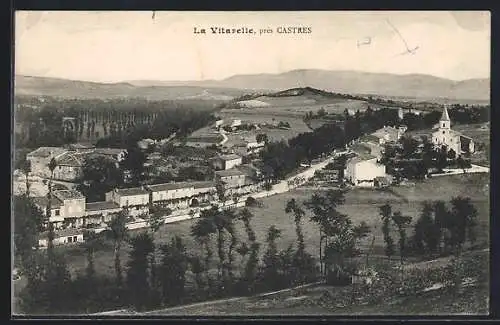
360,205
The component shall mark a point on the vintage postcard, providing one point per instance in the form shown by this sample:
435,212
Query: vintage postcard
317,164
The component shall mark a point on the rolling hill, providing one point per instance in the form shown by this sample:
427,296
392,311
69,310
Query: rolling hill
352,82
28,85
417,86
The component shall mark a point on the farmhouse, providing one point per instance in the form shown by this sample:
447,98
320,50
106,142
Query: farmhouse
69,166
136,199
452,140
66,207
40,159
69,162
62,237
226,162
387,134
363,170
231,177
97,213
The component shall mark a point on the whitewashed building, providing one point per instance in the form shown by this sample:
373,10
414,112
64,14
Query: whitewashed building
363,170
226,162
135,199
67,207
62,237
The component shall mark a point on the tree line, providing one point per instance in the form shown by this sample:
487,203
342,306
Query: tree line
118,119
439,230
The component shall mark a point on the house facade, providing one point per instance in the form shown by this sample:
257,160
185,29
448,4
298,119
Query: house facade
388,134
62,237
226,162
40,159
452,140
135,199
67,207
362,171
231,178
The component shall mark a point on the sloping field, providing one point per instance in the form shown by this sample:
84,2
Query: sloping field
253,103
360,205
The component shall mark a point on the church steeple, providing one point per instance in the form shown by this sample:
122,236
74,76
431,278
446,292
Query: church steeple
445,117
444,122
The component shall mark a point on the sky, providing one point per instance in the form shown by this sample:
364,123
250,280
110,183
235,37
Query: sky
114,46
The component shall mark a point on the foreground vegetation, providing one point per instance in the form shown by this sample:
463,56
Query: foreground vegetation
220,261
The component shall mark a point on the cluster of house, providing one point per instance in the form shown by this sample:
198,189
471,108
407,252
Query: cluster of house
69,161
364,169
70,213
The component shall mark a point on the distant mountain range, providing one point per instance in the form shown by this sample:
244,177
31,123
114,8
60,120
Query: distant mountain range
351,82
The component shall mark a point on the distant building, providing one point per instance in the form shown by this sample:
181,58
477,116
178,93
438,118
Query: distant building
226,162
145,143
61,237
69,161
388,134
98,213
363,170
69,166
40,159
445,136
66,206
175,193
126,197
235,123
219,123
231,177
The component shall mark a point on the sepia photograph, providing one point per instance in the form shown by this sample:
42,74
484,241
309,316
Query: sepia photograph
244,163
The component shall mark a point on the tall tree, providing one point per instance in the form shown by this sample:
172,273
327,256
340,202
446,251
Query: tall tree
28,224
250,268
401,221
92,244
326,215
173,271
386,215
117,231
99,175
270,272
464,215
26,168
303,265
202,232
138,275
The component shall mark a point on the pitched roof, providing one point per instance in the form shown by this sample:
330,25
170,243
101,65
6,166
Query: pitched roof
42,202
231,156
46,152
388,130
361,158
230,172
169,186
104,205
62,233
68,195
131,191
71,158
445,116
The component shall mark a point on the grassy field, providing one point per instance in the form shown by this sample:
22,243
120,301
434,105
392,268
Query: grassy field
360,205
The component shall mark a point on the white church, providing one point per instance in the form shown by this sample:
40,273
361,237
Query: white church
444,135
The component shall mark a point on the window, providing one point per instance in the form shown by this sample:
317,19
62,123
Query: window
57,212
70,239
443,132
75,239
443,124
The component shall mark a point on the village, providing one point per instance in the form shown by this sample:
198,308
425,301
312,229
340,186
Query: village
237,175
